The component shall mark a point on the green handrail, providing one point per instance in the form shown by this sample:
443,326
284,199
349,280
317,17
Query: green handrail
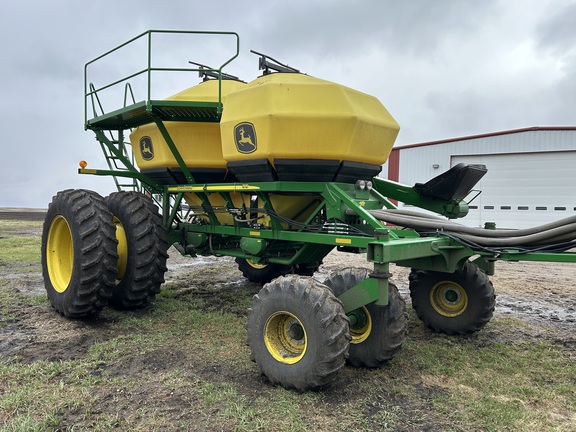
90,91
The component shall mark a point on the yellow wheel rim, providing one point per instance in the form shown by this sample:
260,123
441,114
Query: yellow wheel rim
448,299
122,249
285,338
256,266
360,325
60,254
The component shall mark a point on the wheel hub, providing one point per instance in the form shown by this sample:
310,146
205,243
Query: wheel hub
296,333
449,299
360,325
285,337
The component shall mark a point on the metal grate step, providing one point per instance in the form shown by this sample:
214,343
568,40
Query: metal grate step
142,113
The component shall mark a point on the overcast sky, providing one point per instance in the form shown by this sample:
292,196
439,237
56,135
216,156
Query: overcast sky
443,68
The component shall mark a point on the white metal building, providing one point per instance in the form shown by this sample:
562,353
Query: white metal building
531,177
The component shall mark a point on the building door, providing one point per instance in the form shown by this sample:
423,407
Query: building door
522,190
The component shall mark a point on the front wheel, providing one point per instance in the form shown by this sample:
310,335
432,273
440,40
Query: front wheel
79,259
454,303
298,333
378,332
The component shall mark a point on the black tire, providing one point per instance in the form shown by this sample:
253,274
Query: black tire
454,303
307,269
298,333
142,249
378,332
261,273
79,259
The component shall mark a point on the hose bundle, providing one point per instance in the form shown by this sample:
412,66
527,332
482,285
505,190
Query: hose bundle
555,236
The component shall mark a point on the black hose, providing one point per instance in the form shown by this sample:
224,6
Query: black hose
545,237
443,224
561,231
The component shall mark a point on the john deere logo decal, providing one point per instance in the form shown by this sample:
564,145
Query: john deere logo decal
146,148
245,138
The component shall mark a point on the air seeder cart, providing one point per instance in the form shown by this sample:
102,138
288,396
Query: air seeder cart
277,173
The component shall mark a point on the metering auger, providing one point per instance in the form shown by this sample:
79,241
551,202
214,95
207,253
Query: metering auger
277,173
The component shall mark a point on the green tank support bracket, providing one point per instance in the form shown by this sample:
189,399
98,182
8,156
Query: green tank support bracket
170,142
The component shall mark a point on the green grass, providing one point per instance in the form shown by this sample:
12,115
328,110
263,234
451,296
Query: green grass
18,227
19,250
486,384
182,364
458,383
19,244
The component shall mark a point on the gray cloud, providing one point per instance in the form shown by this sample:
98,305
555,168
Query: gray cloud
557,31
340,28
443,68
556,36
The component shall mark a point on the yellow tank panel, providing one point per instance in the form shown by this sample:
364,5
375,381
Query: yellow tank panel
295,116
197,142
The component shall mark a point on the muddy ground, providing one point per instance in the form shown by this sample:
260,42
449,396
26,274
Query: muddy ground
543,294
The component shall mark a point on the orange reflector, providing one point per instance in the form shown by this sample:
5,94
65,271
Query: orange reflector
83,164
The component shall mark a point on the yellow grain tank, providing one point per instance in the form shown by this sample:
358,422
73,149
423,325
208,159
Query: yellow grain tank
197,142
290,126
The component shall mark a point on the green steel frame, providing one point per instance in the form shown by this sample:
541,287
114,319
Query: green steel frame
339,217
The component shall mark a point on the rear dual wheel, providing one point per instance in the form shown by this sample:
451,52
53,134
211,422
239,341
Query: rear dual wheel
97,251
79,257
142,249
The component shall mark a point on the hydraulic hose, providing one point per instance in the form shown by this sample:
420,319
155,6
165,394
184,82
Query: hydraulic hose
540,238
563,230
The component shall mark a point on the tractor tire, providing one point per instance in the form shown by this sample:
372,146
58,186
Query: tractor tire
79,259
307,269
298,333
453,303
261,273
379,331
142,249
